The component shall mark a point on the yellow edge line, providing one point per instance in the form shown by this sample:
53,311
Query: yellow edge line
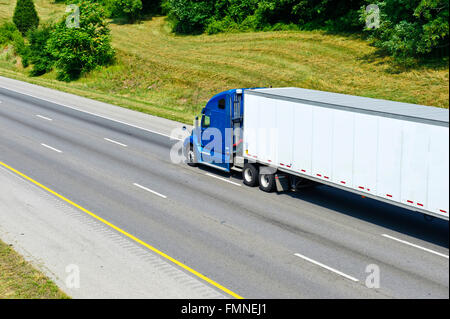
212,282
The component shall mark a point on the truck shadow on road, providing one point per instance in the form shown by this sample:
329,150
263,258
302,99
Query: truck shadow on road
366,209
382,214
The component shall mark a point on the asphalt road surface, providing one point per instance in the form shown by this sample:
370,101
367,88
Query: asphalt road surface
315,243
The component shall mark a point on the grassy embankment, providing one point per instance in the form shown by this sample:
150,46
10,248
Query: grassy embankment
18,279
173,76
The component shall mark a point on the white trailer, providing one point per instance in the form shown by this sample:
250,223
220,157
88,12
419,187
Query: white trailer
390,151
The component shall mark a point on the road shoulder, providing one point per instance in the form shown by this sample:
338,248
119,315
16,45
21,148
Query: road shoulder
63,242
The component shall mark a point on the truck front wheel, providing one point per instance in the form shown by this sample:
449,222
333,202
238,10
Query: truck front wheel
267,182
250,175
191,159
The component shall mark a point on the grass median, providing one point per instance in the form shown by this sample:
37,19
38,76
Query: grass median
20,280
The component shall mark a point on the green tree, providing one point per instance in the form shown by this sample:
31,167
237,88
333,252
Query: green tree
77,50
25,16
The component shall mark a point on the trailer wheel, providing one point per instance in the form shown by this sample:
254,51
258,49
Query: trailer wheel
191,159
267,182
250,175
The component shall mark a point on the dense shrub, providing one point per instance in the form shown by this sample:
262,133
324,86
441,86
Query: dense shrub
41,59
189,16
79,50
223,15
225,25
25,16
411,28
130,9
9,34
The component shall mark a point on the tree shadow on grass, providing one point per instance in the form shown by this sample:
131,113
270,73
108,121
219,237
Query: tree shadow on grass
347,34
379,57
140,20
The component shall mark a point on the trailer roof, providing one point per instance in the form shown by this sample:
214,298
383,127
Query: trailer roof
413,112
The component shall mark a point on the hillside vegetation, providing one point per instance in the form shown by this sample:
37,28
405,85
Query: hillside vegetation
173,76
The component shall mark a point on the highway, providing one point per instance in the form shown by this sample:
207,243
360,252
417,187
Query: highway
315,243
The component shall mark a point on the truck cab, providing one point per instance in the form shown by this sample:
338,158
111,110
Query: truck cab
216,139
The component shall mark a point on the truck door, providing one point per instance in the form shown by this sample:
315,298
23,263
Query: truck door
215,142
205,147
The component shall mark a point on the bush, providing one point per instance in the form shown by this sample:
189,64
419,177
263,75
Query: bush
130,9
25,16
7,32
79,50
225,25
21,48
10,34
189,17
41,59
229,15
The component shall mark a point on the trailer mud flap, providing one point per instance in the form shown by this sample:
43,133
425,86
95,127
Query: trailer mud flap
282,183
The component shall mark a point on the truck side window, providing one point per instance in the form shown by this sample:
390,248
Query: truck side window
206,121
222,104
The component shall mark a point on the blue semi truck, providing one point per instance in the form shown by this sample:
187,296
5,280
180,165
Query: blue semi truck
222,114
288,138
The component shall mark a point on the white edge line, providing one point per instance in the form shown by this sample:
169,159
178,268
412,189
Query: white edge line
87,112
223,179
149,190
414,245
43,117
328,268
115,142
52,148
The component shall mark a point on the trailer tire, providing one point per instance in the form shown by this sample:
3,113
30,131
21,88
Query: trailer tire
250,175
267,182
191,158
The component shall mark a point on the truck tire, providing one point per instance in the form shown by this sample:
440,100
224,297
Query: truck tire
191,158
250,175
267,182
